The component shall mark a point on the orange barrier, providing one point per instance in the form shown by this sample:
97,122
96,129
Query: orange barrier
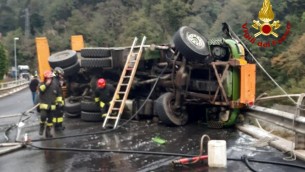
77,42
43,53
247,83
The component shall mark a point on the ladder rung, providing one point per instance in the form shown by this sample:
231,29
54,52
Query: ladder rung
123,88
112,117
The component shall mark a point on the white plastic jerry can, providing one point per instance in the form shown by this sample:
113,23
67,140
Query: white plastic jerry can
217,153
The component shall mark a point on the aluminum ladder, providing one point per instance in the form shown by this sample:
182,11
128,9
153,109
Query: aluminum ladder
121,93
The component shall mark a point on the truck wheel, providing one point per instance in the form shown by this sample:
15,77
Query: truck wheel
96,62
91,116
63,59
72,106
72,115
192,45
166,112
95,52
71,70
89,105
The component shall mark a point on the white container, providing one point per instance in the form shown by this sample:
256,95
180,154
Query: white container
217,153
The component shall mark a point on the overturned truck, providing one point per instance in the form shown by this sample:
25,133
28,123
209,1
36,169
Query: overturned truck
199,78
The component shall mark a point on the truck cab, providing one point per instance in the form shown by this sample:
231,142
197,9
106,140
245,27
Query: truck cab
24,72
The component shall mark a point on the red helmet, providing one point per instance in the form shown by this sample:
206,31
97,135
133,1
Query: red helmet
48,74
101,83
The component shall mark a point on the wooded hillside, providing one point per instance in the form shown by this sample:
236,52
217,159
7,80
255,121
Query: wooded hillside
116,22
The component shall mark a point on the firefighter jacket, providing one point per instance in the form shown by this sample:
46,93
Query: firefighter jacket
104,95
59,99
49,95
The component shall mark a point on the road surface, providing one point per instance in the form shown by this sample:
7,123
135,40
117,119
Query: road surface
16,103
86,154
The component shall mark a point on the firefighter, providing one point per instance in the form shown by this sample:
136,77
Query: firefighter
48,93
103,95
58,113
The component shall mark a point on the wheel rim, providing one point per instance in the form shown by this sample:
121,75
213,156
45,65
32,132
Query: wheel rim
195,40
172,115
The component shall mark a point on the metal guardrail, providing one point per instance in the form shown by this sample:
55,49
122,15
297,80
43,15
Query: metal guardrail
7,86
280,118
294,122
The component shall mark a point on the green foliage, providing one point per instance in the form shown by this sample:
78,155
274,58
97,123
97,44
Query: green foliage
292,61
117,22
3,61
169,15
8,20
140,26
58,10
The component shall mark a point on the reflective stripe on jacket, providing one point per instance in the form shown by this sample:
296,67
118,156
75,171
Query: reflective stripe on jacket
44,106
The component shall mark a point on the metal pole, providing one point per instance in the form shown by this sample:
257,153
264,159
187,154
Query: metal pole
15,56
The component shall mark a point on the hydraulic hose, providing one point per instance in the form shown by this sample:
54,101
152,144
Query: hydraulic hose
244,158
20,120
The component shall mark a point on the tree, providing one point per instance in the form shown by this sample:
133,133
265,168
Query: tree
170,14
139,25
7,19
3,61
235,13
292,61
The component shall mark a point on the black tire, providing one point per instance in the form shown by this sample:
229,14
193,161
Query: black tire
72,115
192,45
249,59
89,106
72,106
96,62
95,52
71,70
63,59
91,116
163,108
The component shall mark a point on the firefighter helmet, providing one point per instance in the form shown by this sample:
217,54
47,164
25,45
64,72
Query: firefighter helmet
48,74
58,71
101,83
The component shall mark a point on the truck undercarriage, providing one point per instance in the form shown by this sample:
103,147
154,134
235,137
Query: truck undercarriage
212,75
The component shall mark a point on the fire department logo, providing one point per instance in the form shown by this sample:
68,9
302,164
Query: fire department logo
266,15
265,26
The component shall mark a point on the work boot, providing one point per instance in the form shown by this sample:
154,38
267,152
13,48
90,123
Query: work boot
59,127
41,129
48,132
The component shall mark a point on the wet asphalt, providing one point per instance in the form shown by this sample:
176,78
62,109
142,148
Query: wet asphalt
16,103
134,136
